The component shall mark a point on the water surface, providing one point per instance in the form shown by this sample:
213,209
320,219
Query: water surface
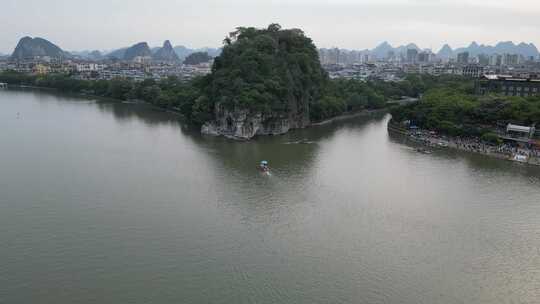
110,203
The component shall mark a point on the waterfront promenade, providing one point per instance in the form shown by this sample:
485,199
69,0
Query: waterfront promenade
473,145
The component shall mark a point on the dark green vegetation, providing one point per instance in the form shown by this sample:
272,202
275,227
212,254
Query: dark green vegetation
266,70
197,57
451,107
341,96
170,93
335,97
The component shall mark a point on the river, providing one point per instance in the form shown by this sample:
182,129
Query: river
105,202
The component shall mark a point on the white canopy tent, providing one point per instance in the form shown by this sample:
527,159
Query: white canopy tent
519,129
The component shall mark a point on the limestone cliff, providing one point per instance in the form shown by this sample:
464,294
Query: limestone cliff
245,124
263,83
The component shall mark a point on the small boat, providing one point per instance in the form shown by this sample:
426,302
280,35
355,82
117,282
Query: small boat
425,151
443,144
263,167
520,158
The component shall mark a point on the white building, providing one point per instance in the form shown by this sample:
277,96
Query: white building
89,67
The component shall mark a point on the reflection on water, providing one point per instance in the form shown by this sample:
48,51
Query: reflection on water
110,202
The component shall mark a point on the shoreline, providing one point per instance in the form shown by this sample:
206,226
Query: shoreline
328,121
341,117
111,99
448,142
347,116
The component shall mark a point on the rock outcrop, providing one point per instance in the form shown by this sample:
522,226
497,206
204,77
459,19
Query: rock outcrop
30,48
244,124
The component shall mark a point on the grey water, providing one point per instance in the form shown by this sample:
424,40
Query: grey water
103,202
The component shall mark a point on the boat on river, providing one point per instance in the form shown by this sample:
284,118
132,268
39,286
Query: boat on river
520,158
263,167
424,151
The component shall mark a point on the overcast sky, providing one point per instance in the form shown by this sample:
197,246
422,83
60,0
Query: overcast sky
353,24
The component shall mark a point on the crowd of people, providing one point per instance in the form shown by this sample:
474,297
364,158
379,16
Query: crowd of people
476,145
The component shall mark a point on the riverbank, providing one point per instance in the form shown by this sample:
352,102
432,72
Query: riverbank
177,112
348,116
103,98
471,145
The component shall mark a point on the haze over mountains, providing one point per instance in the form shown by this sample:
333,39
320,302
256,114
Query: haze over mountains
37,47
474,49
28,48
165,53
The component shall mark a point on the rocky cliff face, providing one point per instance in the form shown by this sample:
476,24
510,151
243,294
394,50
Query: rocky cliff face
166,53
30,48
244,124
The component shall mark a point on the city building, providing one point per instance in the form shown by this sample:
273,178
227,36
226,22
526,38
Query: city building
472,70
412,55
508,86
425,57
463,58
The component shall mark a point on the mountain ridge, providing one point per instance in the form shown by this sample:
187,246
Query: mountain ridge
30,48
382,50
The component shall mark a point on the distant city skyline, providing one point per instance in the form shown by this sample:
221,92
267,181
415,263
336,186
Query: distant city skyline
348,24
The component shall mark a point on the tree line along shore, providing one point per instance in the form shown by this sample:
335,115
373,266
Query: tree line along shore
340,96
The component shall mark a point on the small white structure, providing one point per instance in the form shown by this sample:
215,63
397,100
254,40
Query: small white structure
520,131
520,158
89,67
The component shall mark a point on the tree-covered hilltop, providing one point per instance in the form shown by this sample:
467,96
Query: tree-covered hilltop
266,69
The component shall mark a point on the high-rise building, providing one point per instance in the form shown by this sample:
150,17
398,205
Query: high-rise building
463,58
510,59
390,55
425,57
412,55
495,60
483,59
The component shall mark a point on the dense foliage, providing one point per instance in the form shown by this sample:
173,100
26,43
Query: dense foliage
341,95
454,110
266,70
191,99
168,93
197,58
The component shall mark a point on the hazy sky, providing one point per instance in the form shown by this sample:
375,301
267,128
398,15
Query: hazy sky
358,24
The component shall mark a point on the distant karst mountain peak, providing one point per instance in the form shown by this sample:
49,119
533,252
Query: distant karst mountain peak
30,48
166,53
